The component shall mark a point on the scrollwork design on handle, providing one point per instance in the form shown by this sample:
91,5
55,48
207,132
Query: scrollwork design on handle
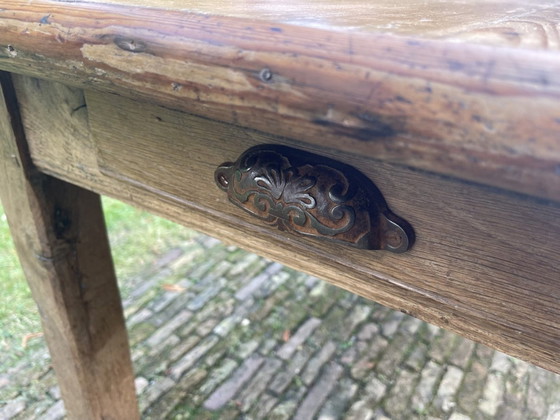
310,195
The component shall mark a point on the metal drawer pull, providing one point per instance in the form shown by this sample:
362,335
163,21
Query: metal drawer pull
311,195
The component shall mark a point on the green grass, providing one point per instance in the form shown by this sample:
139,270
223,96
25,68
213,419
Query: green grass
137,238
18,314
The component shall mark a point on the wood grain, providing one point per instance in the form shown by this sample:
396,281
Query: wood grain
60,237
478,112
485,264
530,24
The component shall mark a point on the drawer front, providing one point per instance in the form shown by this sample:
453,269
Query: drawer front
485,262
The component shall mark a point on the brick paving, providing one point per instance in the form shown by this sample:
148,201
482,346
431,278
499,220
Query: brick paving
218,333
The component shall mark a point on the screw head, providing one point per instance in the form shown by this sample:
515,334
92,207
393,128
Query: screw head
265,75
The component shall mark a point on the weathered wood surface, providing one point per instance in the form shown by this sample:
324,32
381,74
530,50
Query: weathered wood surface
489,114
60,237
528,24
485,264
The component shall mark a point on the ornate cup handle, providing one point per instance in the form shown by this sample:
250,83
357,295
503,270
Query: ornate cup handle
306,194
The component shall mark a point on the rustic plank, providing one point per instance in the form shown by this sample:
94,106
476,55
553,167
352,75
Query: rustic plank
478,112
485,264
60,237
530,24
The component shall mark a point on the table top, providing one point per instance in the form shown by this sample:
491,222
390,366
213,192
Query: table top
468,89
526,24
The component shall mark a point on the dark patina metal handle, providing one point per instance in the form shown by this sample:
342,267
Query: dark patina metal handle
311,195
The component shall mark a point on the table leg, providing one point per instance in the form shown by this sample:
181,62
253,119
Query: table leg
61,240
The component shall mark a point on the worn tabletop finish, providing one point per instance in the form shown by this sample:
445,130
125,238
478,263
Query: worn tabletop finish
532,24
467,89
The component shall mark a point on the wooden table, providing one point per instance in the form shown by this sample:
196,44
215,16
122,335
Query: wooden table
451,108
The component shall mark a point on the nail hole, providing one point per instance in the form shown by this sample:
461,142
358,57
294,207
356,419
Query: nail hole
11,51
265,75
131,45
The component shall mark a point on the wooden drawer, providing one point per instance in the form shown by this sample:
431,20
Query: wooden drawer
485,263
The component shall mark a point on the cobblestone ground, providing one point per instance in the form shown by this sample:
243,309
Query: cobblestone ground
218,333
